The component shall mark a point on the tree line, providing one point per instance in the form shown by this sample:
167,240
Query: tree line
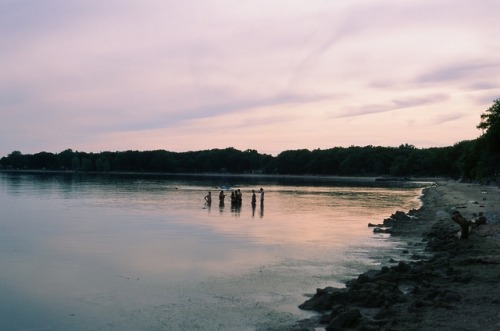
469,159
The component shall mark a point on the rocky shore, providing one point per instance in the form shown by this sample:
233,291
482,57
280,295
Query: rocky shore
441,283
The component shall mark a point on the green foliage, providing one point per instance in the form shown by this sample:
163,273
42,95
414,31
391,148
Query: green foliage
490,119
215,160
490,124
475,159
490,153
465,159
459,160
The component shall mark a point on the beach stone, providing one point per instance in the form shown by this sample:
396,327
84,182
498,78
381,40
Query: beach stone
400,216
403,267
374,295
325,299
381,230
347,319
453,284
368,276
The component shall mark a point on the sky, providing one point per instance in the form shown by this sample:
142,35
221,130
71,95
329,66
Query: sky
116,75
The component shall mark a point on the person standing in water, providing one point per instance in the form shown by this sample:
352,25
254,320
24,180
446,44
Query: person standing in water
254,199
233,197
208,198
221,198
239,197
261,195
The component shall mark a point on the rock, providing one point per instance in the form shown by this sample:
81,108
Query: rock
325,299
381,230
400,216
378,294
347,319
453,285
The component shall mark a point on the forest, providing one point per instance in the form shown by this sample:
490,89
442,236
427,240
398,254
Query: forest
477,159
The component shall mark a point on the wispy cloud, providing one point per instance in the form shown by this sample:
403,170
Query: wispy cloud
469,73
393,105
444,118
146,72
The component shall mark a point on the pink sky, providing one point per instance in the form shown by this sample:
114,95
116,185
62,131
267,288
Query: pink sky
267,75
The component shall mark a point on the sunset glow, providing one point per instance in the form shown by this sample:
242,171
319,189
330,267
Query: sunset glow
272,76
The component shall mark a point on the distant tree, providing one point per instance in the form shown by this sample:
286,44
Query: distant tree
406,146
87,164
399,166
106,166
293,162
65,159
75,163
490,124
43,160
469,156
488,165
475,159
15,160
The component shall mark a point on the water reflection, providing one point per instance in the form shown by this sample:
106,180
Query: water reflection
105,247
208,206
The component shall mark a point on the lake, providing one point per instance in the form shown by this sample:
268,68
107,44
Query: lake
130,252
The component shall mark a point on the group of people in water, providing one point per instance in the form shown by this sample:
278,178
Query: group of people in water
236,198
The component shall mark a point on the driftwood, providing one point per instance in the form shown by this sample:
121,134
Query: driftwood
463,222
465,225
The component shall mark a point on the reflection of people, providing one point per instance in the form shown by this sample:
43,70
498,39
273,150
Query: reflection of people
261,195
233,197
254,202
208,198
221,198
238,197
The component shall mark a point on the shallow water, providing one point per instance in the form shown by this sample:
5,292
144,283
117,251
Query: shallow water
146,253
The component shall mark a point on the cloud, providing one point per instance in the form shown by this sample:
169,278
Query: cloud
444,118
87,70
230,105
393,105
465,72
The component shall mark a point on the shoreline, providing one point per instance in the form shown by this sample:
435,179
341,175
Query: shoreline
378,180
453,284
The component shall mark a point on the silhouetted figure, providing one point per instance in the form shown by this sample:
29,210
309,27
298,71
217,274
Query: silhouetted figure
254,203
222,196
233,198
239,197
261,195
208,198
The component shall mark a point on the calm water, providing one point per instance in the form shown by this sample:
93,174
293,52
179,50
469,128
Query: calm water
145,253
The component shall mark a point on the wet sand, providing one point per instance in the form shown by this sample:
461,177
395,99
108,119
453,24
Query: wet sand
441,282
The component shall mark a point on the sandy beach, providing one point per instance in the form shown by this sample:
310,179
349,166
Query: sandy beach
441,282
